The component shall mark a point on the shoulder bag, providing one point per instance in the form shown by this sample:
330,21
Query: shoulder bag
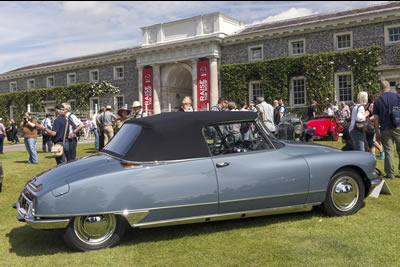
57,150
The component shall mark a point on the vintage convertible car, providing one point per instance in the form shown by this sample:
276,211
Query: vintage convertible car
325,127
178,168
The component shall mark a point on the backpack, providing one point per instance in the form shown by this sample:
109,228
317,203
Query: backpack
394,114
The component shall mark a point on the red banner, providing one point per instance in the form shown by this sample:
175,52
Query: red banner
203,81
148,90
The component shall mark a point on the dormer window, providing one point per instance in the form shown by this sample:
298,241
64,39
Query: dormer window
297,47
255,53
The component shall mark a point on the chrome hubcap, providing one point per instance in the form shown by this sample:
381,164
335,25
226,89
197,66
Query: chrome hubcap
95,229
345,193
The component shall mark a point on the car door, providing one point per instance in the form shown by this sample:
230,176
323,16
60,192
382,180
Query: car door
259,177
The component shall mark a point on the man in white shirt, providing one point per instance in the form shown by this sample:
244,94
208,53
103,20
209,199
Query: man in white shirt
266,113
74,125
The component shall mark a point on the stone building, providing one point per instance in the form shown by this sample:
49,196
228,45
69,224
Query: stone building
183,57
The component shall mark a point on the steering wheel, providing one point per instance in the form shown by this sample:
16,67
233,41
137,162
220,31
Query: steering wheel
229,142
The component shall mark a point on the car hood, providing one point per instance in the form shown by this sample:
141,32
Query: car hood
302,149
68,172
321,126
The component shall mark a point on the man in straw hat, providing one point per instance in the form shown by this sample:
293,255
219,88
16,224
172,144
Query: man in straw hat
108,119
138,112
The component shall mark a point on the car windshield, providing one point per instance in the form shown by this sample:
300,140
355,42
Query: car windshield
271,136
124,139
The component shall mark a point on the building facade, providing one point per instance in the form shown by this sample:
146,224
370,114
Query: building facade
183,57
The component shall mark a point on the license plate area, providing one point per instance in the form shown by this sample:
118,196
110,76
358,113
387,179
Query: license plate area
24,205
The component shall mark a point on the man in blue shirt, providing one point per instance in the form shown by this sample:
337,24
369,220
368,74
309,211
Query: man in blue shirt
386,132
221,106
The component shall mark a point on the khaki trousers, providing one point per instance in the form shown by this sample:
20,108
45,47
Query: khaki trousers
389,138
108,133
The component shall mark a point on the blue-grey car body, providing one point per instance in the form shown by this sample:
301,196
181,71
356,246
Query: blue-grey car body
290,175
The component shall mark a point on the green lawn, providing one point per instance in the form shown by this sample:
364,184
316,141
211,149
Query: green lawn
368,238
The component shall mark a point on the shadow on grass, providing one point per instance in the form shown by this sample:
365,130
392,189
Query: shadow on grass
20,161
26,241
135,236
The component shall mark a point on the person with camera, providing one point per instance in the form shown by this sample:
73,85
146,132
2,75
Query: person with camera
58,132
30,133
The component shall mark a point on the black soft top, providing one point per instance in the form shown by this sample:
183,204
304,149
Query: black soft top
177,135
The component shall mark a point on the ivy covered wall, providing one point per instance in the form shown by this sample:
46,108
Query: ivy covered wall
80,92
317,69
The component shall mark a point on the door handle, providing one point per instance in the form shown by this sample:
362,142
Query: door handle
222,164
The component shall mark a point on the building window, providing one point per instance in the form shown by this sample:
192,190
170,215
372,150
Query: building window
298,92
119,73
255,53
13,86
50,81
255,90
344,87
392,34
296,47
71,78
343,40
119,101
31,84
94,76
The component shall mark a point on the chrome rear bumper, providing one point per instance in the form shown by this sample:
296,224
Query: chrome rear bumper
25,210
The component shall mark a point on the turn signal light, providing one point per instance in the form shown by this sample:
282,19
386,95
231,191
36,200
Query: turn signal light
132,165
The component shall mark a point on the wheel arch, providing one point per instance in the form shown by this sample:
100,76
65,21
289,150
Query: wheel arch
360,171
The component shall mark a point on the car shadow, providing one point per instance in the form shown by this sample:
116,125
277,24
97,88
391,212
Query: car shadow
26,241
135,236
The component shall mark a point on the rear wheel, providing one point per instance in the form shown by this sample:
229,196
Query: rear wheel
93,232
345,194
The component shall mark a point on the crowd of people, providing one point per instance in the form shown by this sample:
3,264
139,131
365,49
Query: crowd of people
368,124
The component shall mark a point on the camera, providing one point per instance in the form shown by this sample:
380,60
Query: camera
25,119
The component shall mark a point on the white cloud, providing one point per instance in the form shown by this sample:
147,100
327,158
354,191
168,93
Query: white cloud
289,14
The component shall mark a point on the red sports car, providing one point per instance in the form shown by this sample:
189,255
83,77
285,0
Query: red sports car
325,127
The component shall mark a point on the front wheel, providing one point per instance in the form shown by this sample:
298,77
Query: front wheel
93,232
345,194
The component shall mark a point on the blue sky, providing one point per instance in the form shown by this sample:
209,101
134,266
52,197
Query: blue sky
37,32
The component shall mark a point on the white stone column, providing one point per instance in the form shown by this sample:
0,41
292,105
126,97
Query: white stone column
213,81
156,89
194,83
140,85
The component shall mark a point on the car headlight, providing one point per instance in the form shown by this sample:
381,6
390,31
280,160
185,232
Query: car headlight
298,129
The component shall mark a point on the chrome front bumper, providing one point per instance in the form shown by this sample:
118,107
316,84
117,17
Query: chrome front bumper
25,210
376,180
